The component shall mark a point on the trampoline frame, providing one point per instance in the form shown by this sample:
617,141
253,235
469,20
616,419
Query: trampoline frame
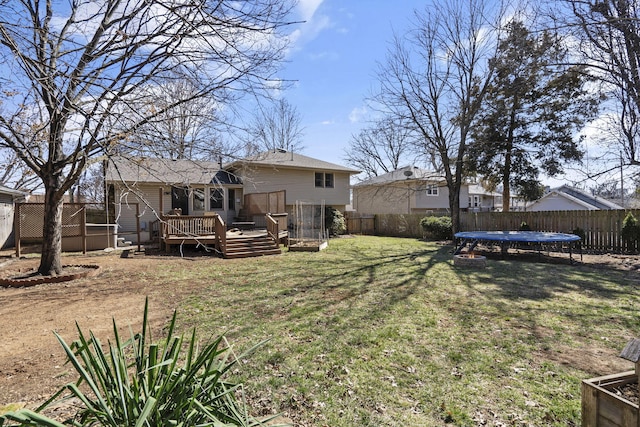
505,238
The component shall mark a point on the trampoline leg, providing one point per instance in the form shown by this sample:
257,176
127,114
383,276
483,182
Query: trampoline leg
460,247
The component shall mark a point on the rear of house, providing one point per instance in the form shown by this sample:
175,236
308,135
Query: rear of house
299,178
144,189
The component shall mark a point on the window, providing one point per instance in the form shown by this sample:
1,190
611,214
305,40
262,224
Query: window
324,180
198,199
216,198
432,190
328,180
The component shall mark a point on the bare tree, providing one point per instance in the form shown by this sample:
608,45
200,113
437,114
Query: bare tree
189,130
379,148
15,174
70,73
608,37
435,78
278,126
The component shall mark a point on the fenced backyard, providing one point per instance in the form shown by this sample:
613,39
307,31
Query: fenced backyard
601,229
372,331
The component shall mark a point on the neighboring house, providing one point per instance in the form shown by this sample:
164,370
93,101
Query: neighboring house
482,200
406,190
8,199
161,186
303,178
565,198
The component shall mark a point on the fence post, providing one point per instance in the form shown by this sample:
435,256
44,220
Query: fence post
16,227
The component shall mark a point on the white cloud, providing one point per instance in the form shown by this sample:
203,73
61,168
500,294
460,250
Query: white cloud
357,114
332,56
326,122
313,24
307,8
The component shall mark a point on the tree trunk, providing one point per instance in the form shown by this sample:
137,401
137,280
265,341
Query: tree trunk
454,206
51,258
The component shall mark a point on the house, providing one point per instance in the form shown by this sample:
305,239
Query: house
482,200
405,190
303,178
149,188
8,199
566,198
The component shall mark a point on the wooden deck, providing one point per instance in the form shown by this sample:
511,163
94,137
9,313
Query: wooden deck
211,231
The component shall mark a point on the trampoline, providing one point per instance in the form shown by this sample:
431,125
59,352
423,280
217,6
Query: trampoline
506,238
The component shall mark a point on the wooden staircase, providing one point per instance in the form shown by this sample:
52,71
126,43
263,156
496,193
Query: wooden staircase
251,246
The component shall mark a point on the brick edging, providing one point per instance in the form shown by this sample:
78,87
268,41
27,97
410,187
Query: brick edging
89,270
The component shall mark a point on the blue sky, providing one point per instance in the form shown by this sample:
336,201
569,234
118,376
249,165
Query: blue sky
333,62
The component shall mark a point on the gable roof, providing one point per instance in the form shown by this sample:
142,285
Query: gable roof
478,189
580,197
403,174
166,171
289,160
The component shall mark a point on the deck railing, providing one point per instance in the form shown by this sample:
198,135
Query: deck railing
191,226
221,234
272,228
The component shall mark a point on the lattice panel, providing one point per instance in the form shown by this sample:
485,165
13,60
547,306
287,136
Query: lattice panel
32,220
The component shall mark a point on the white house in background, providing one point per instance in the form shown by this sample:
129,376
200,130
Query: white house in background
405,190
483,200
566,198
8,199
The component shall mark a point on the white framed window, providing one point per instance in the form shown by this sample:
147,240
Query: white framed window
432,190
216,199
324,180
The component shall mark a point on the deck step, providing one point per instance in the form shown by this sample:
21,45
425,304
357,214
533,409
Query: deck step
246,247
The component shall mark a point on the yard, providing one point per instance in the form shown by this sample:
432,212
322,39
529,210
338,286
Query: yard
371,331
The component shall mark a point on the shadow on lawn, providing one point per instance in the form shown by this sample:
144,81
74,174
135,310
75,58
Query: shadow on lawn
533,289
370,289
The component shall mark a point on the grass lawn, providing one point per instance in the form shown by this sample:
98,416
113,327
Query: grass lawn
386,332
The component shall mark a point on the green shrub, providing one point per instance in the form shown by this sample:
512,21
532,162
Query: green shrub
630,232
437,227
138,383
334,221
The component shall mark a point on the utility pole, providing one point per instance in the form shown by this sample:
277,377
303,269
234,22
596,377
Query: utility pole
621,182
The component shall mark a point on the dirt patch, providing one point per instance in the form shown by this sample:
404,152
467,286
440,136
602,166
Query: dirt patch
32,364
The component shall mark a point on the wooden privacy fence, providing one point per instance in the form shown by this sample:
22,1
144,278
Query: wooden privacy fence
393,225
360,223
602,229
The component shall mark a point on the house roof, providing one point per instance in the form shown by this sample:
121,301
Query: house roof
403,174
580,197
165,171
11,191
288,159
480,190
